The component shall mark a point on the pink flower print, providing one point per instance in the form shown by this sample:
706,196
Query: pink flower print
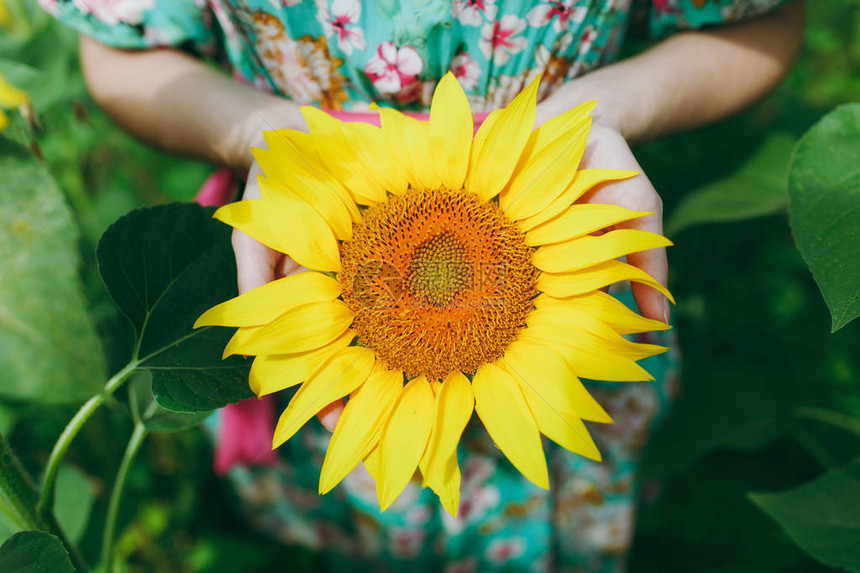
472,12
466,70
406,543
393,69
113,12
501,551
560,12
586,41
340,21
666,6
500,39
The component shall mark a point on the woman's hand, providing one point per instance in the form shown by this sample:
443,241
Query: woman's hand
607,149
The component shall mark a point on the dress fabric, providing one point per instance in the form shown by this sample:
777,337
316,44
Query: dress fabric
344,55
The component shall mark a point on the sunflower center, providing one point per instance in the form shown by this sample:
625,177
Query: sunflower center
439,282
440,270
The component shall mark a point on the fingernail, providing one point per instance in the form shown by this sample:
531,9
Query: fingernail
666,311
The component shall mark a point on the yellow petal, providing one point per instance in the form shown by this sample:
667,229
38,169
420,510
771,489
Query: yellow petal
451,128
491,167
403,440
360,426
546,176
547,374
556,127
409,145
273,373
340,157
502,408
317,193
302,328
4,121
579,220
346,371
239,339
614,313
294,153
563,428
584,180
449,490
264,304
250,217
573,318
454,406
586,354
310,241
596,277
589,250
371,148
371,463
478,144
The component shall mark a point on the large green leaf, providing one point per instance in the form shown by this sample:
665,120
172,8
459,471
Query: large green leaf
757,189
824,191
34,552
164,266
155,418
48,346
822,516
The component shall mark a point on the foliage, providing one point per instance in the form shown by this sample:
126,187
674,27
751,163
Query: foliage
822,515
825,209
769,393
48,346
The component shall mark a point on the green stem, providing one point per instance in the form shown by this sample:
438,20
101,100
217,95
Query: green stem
46,499
131,450
21,494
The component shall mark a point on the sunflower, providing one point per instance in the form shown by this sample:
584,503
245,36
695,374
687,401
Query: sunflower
448,272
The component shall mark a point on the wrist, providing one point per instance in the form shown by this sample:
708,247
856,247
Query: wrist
265,112
619,107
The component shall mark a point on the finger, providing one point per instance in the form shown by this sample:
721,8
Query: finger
639,195
255,262
329,415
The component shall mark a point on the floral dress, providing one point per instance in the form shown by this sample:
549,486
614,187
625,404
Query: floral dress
345,55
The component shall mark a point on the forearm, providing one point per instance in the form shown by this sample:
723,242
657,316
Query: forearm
690,79
175,102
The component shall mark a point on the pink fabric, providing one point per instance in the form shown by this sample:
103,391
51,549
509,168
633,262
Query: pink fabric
245,435
246,428
218,189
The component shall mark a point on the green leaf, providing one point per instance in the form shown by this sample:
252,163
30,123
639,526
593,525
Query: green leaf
34,552
48,347
824,208
822,516
155,418
74,502
164,266
756,190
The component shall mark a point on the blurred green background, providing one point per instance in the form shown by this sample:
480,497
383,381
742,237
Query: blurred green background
754,332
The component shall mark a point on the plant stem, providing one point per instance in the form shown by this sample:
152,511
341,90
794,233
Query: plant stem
21,494
46,498
131,450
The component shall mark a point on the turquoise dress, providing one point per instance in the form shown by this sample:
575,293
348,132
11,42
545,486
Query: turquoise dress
345,55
